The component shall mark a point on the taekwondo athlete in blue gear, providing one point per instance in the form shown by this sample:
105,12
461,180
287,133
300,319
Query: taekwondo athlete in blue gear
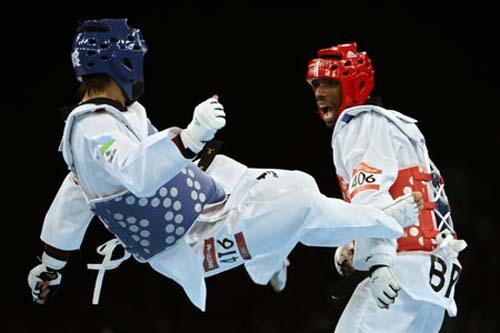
145,188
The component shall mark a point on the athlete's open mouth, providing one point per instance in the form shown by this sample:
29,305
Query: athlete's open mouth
328,112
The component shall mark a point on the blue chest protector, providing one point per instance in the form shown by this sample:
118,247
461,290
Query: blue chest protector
147,226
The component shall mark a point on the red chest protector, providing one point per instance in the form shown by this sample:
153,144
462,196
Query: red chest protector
435,216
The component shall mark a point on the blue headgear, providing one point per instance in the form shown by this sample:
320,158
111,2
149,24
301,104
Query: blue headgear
110,47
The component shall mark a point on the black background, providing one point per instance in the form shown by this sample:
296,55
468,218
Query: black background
434,61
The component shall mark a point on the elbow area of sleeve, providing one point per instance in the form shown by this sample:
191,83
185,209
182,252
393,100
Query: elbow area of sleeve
156,161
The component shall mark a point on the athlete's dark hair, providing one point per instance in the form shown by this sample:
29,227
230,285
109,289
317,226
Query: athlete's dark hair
92,84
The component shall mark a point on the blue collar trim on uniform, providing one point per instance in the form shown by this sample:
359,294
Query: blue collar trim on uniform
346,118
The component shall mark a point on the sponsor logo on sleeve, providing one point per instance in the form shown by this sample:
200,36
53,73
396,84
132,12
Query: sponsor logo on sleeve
210,258
106,147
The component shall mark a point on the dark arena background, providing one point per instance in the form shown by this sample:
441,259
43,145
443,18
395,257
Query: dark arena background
434,61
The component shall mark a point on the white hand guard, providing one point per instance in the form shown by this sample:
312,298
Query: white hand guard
343,259
449,247
404,210
278,281
48,271
384,286
208,118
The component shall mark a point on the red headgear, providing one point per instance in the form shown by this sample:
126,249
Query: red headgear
352,69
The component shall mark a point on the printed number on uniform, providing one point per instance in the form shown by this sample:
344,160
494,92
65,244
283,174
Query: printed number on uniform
364,178
361,178
226,250
227,244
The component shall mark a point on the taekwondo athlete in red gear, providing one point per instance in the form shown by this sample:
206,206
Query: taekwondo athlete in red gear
379,155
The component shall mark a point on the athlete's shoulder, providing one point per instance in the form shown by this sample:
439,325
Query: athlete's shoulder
368,111
91,114
372,115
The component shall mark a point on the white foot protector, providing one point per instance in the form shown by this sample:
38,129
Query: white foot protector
404,210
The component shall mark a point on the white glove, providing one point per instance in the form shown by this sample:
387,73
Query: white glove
448,246
384,285
208,118
45,278
343,259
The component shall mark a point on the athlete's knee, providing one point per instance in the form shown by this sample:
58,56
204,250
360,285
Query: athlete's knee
305,199
305,181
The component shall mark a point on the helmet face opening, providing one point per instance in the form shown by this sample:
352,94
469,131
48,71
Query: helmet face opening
112,48
351,68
